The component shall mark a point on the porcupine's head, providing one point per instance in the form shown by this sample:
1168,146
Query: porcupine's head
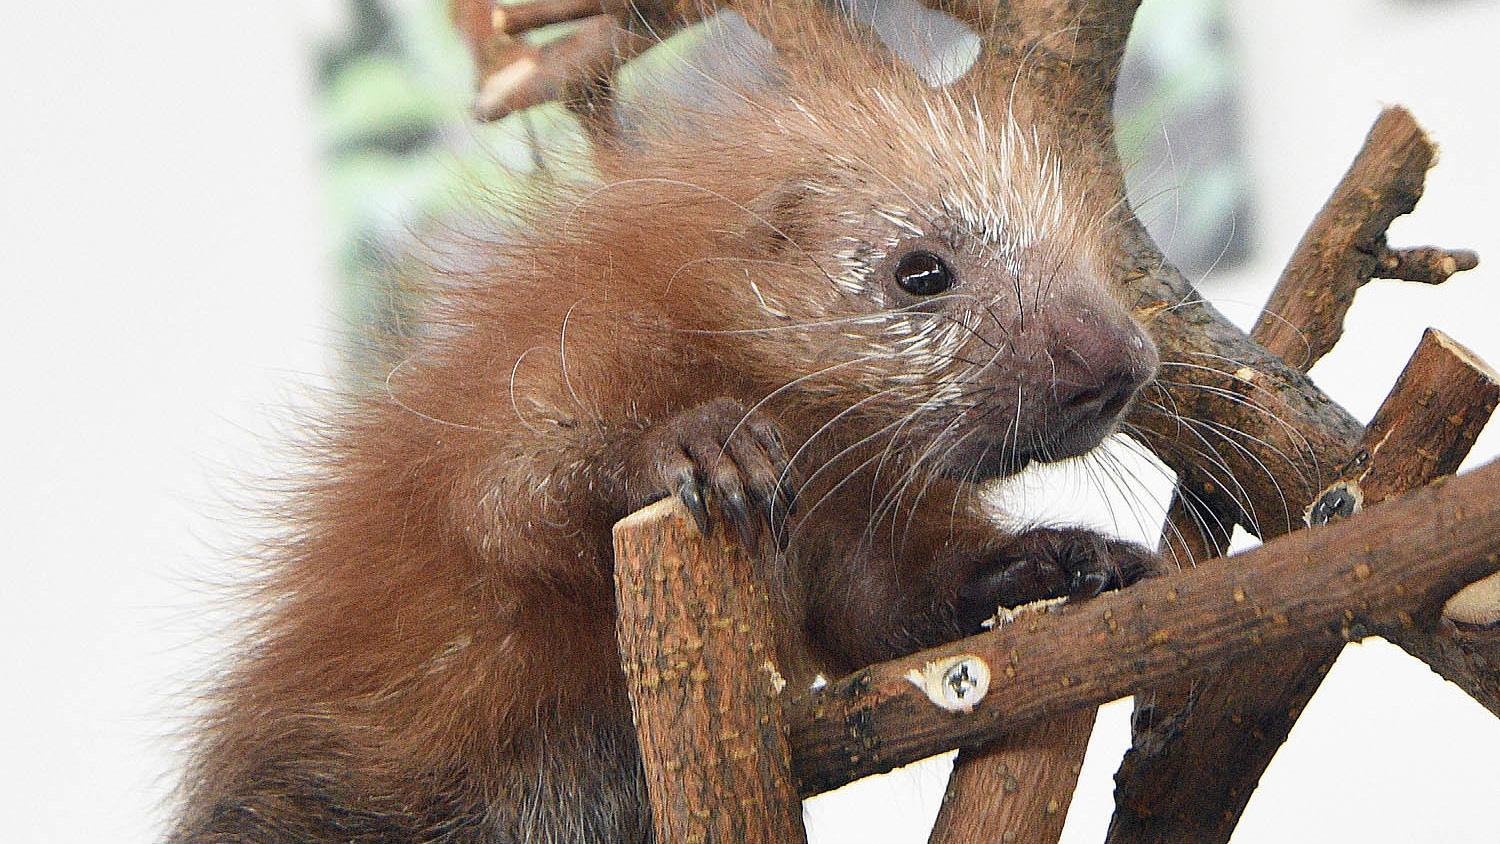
934,265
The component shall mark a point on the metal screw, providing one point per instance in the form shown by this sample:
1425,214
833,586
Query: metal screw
956,683
960,681
1338,502
964,683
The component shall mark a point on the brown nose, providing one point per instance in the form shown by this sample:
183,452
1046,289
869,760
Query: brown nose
1106,397
1099,366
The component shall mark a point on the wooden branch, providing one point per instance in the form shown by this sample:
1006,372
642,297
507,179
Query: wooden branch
697,646
1391,567
1465,648
520,75
1423,430
1424,264
1345,246
577,69
515,19
1008,790
1192,768
1239,426
1465,654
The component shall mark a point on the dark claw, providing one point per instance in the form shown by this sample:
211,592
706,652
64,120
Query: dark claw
692,497
739,513
1089,584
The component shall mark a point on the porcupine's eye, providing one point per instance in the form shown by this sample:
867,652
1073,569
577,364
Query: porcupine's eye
922,273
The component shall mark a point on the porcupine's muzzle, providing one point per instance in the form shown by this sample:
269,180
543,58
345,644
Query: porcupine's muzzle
1079,365
1101,361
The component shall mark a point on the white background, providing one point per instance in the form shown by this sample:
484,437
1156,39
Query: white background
165,281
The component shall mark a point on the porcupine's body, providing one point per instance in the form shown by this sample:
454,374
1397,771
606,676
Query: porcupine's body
853,288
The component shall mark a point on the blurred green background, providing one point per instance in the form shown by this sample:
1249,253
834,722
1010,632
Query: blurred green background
402,153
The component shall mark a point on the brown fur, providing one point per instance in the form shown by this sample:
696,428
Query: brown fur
435,657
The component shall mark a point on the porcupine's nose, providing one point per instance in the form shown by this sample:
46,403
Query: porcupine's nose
1104,399
1100,364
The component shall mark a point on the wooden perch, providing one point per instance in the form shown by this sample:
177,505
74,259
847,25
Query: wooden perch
1390,568
1345,246
577,69
1012,788
697,645
1197,757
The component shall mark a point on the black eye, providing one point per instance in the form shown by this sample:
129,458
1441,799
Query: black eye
922,273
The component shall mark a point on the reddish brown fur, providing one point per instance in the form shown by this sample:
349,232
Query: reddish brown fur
435,660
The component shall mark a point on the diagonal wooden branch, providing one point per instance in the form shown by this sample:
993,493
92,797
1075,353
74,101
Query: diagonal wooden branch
1018,787
1391,567
1199,751
1345,246
577,69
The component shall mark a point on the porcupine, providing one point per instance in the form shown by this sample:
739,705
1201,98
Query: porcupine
825,316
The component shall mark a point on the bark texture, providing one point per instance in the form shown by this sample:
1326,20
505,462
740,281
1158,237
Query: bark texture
1199,751
1344,246
1391,568
697,646
1018,787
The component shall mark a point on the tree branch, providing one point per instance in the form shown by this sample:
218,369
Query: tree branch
1018,787
1424,264
697,647
577,69
1198,753
1391,567
1345,246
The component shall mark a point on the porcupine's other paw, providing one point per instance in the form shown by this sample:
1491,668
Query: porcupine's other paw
1054,563
723,461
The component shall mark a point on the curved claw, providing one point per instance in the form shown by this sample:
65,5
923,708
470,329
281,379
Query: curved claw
1089,583
738,511
692,498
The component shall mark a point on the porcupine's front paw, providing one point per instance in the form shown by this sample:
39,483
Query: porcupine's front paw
1054,563
719,458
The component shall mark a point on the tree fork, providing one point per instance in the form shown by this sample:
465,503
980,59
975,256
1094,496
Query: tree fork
1198,753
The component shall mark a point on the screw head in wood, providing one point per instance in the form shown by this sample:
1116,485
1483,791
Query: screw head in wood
956,683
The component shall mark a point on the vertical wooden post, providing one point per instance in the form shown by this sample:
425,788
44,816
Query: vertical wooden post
696,642
1017,789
